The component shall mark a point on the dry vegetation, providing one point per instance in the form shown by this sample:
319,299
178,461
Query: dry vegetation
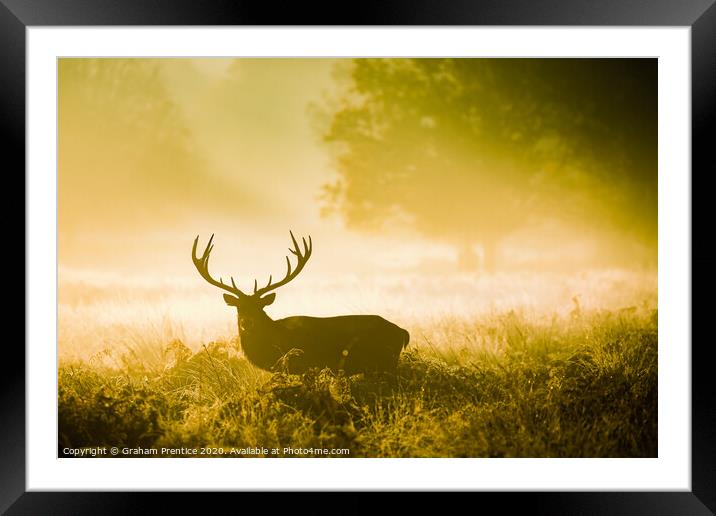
500,384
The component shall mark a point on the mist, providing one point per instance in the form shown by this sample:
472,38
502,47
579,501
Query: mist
407,174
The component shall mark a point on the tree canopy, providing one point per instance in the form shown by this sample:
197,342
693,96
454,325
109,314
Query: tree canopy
126,149
468,150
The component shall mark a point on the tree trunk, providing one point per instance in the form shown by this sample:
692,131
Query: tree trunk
489,256
467,260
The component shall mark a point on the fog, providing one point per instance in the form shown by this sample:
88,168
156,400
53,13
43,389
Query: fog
424,170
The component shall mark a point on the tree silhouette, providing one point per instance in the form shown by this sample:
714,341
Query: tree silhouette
468,150
123,142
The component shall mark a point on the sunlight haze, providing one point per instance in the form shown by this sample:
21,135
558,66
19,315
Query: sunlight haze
427,186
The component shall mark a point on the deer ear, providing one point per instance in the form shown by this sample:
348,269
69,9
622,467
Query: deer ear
231,300
268,299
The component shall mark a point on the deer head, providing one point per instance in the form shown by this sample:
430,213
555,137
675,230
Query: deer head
250,304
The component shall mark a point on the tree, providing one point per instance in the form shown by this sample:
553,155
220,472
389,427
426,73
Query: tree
468,150
128,162
126,151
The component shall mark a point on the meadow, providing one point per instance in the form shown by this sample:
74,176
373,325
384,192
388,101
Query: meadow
543,365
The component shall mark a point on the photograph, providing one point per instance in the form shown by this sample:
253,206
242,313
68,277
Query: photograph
306,257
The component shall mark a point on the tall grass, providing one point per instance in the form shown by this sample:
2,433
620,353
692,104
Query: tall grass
507,384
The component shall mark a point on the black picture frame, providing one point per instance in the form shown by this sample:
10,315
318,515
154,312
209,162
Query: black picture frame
700,15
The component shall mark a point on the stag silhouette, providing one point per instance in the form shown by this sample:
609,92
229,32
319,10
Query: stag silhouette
351,343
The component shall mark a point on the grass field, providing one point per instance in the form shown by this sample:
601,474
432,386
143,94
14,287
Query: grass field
566,380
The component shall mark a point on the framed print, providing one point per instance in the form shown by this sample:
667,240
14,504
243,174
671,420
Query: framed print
453,257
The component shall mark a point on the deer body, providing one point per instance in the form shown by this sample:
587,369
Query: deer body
351,343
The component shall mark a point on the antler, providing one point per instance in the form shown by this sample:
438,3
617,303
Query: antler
202,265
302,259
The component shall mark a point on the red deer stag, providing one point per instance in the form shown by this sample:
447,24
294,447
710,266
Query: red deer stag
352,343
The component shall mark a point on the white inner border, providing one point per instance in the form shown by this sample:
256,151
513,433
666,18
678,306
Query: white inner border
670,471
